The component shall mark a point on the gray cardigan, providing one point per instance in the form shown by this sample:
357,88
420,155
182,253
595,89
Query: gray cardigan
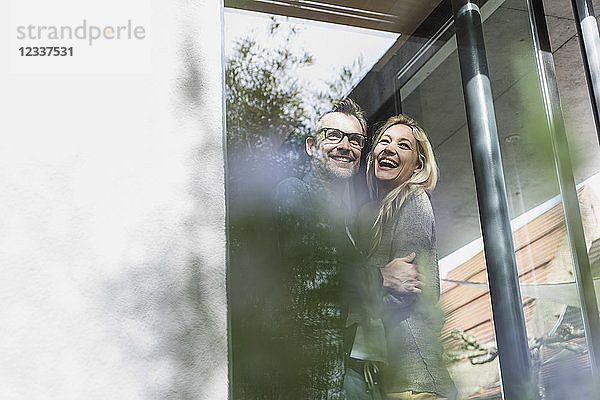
413,322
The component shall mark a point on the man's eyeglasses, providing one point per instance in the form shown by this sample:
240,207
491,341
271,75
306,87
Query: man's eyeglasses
333,135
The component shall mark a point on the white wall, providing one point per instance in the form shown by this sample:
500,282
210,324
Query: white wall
112,242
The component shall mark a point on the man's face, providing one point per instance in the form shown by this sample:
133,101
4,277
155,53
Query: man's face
336,161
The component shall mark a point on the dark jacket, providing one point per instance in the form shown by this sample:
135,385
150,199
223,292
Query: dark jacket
316,251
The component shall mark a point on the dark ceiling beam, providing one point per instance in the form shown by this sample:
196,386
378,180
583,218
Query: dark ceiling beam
318,11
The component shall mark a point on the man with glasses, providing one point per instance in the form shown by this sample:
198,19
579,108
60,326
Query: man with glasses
335,152
315,247
319,266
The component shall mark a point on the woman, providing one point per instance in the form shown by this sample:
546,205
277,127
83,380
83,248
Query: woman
401,169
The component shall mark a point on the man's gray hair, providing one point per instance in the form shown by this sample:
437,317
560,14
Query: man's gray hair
349,107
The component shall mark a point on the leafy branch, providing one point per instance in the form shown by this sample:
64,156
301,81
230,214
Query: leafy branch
269,103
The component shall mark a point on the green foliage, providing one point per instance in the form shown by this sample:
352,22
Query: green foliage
340,87
264,96
270,107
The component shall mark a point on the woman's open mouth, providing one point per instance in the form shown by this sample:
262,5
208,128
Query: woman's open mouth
387,163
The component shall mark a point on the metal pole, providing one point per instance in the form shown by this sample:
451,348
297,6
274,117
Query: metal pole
589,42
511,337
581,262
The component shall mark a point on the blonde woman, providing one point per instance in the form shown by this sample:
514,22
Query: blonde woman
401,171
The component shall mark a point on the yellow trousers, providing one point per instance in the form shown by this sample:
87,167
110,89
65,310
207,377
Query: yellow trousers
410,395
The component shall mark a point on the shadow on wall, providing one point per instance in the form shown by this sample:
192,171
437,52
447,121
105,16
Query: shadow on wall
166,321
169,307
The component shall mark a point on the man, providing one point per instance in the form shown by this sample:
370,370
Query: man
319,264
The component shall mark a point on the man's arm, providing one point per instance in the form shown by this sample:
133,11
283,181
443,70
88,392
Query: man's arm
401,284
400,276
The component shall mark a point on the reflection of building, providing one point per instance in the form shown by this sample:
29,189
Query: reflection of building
543,257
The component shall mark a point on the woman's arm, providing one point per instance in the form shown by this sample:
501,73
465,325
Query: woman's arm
400,274
414,231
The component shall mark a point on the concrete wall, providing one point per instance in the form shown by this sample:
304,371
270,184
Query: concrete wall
112,210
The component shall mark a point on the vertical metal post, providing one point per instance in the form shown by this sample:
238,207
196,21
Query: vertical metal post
511,337
589,42
581,262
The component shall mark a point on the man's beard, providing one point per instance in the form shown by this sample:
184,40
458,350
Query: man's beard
328,168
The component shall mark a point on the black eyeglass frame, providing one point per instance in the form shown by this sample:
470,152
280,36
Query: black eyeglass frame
344,134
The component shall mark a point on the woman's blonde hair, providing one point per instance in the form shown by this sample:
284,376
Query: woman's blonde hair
425,178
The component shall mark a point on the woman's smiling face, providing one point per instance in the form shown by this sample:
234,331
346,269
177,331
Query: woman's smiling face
395,156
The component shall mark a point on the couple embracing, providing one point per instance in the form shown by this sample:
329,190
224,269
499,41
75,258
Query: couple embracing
358,317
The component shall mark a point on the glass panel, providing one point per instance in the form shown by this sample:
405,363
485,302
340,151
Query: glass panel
583,146
435,98
281,74
418,76
541,244
552,312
